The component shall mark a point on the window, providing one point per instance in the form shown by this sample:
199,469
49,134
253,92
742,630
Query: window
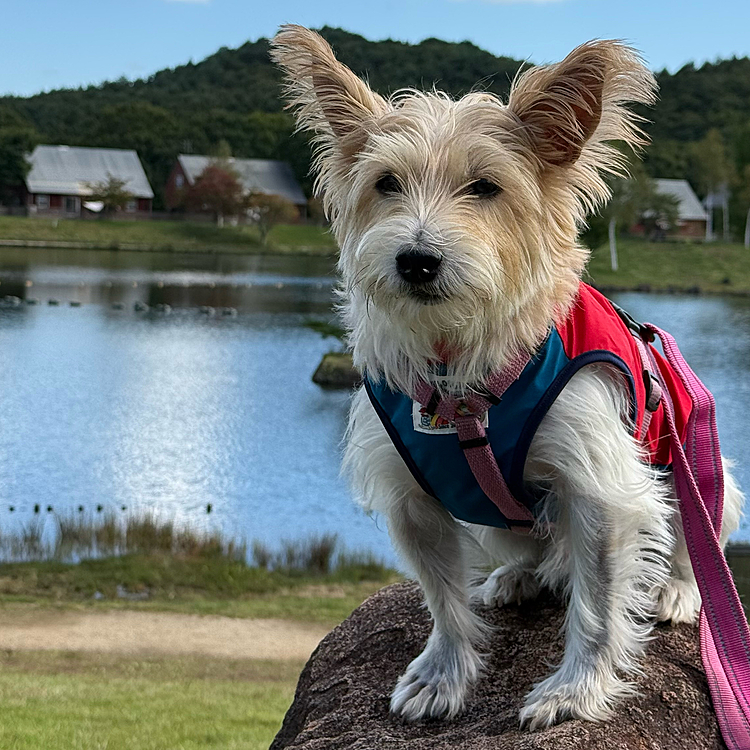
179,181
71,205
42,201
131,207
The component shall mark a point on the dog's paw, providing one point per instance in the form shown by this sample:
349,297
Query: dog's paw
555,700
435,684
679,601
506,585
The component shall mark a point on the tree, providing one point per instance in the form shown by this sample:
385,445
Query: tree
713,172
155,133
315,211
636,199
15,145
217,189
17,140
266,211
744,196
111,193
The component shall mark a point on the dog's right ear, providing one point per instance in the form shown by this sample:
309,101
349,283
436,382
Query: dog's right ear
328,99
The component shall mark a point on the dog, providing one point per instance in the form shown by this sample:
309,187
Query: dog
457,221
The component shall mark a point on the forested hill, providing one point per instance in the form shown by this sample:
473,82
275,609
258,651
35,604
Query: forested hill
244,80
233,95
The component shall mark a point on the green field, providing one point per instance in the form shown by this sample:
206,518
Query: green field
71,701
89,701
676,266
174,236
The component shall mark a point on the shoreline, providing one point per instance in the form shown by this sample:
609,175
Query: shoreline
671,289
285,250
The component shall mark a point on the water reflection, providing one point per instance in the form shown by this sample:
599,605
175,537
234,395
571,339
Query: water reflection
267,283
174,412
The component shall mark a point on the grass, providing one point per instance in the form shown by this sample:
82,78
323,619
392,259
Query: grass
674,266
149,564
170,236
88,701
92,701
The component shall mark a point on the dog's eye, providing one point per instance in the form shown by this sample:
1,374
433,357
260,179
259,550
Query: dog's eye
388,185
483,188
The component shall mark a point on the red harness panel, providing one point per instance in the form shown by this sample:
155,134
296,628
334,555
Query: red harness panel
593,324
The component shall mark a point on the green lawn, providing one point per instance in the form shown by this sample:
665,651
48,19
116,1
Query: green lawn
710,267
93,701
177,236
195,585
64,701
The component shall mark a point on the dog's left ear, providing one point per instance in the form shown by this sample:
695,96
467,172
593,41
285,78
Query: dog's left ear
563,106
327,97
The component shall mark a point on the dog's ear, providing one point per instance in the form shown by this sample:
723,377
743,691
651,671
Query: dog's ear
563,106
328,99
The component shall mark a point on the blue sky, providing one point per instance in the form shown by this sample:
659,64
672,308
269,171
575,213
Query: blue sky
47,44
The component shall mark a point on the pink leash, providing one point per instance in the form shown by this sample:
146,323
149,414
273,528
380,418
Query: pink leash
699,481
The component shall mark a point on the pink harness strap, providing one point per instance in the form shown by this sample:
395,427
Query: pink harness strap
466,413
699,481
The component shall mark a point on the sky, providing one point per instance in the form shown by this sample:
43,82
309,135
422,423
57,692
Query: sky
48,44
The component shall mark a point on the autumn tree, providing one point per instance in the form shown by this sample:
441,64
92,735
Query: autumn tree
217,189
266,211
111,193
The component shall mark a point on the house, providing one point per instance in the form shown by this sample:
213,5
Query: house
61,177
691,216
255,175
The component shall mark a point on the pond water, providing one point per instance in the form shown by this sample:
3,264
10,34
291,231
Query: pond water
172,412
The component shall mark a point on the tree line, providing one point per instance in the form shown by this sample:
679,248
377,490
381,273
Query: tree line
233,96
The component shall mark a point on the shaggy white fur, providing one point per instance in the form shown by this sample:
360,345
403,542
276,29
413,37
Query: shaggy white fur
489,197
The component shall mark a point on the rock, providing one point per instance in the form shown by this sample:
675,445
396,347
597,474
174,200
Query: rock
336,371
343,692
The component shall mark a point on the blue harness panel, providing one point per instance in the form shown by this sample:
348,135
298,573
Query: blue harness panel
435,458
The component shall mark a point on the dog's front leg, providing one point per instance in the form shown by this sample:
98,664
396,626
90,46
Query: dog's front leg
612,539
431,543
435,684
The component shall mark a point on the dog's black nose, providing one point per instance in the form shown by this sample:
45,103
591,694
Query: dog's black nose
416,267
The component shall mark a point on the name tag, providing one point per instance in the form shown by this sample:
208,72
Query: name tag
433,424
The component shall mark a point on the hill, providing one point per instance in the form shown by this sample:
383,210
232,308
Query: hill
233,96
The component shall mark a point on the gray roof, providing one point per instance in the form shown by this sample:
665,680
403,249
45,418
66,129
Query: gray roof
689,207
69,170
256,175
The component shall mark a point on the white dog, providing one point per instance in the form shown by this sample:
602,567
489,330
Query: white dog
458,223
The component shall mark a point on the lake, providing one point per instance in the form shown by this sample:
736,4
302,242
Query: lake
133,411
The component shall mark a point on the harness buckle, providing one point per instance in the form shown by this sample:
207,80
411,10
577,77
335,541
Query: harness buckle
638,328
653,390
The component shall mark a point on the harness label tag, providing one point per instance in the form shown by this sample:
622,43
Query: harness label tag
433,424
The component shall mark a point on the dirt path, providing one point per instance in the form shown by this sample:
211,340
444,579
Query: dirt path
130,632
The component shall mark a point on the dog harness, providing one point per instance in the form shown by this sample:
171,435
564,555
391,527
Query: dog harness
469,453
